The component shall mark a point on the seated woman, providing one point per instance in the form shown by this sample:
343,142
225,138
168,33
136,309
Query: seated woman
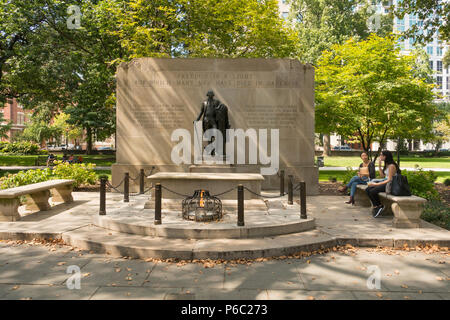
374,188
365,173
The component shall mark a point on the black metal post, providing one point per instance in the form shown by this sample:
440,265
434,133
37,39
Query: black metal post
126,188
303,200
290,191
102,210
281,182
158,194
240,198
141,181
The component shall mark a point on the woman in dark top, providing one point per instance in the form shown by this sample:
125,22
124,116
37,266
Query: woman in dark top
365,173
390,169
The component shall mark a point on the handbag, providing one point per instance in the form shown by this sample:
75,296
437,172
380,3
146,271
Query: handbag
399,186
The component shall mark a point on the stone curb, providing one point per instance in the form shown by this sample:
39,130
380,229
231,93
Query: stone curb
198,233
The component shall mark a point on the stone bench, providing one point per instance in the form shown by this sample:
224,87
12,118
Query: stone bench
37,194
406,210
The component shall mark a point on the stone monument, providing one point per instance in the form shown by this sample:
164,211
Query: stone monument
265,99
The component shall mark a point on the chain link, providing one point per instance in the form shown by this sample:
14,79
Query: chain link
219,194
260,195
180,194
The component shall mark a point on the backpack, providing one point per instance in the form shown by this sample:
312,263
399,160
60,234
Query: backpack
398,186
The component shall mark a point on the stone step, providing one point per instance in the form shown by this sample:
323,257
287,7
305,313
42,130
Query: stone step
257,225
100,240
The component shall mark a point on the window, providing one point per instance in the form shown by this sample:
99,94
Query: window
20,118
439,51
439,82
430,50
439,66
431,64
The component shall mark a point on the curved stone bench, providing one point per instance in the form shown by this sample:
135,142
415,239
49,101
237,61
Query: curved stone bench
37,197
406,210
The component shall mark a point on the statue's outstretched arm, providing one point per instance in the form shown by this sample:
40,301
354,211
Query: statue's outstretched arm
201,113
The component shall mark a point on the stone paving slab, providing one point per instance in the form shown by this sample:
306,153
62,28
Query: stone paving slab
189,275
274,279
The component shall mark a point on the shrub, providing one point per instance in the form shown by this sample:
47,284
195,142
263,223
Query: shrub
437,213
80,172
350,173
23,147
447,182
422,183
25,177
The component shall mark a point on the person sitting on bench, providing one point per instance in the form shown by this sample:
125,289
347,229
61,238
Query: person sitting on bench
390,169
366,172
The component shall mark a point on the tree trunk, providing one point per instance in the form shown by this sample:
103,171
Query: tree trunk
89,140
326,144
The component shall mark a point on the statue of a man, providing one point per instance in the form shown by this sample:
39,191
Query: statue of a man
215,116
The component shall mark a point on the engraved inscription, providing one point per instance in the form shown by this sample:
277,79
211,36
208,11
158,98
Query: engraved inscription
232,80
266,116
159,115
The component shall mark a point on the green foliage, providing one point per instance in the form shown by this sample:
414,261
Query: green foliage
367,90
19,148
438,213
434,15
349,174
25,177
82,174
323,23
447,182
422,183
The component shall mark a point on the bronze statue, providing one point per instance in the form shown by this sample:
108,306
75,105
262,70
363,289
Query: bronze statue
215,116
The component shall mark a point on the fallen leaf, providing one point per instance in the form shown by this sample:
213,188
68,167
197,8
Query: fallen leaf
86,274
397,272
439,278
308,261
406,297
379,295
61,263
118,269
311,298
15,287
404,286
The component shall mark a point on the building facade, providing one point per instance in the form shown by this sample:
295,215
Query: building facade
14,113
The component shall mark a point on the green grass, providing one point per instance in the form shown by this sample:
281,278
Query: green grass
405,162
325,175
19,160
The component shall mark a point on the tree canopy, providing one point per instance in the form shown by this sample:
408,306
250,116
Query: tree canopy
367,90
44,62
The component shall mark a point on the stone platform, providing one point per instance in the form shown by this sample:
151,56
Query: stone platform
185,182
335,222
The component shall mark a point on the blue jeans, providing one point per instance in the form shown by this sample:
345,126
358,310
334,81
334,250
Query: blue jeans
354,182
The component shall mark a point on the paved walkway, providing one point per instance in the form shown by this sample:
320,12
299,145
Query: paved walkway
6,168
321,168
403,168
40,272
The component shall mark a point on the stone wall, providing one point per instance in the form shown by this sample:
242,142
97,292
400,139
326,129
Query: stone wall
157,96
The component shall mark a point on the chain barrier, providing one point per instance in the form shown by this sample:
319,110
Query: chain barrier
260,195
111,186
219,194
180,194
134,179
108,184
